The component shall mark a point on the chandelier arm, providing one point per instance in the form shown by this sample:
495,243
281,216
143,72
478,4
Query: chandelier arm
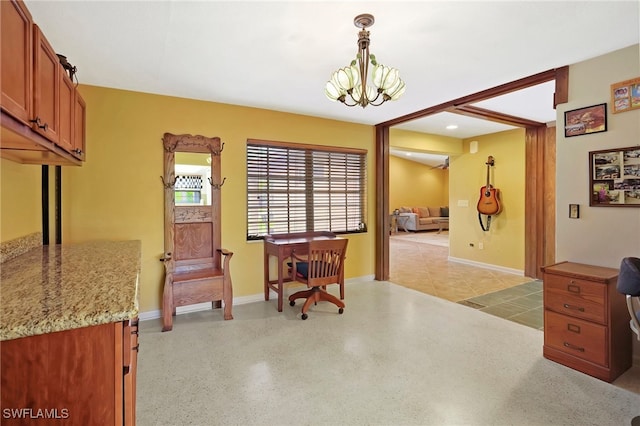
385,98
343,99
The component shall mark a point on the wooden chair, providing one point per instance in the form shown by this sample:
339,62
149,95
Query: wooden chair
195,271
322,265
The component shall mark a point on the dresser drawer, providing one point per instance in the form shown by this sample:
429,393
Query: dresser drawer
576,337
575,297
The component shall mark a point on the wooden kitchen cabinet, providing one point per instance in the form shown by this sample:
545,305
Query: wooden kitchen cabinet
66,107
40,103
84,376
46,88
79,126
586,324
75,355
16,60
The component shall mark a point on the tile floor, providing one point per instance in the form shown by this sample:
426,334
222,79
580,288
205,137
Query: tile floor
424,267
419,261
521,304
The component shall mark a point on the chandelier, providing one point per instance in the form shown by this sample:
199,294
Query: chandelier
350,86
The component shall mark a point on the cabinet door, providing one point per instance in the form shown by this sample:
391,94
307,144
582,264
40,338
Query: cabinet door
77,373
16,59
79,132
46,87
130,360
66,105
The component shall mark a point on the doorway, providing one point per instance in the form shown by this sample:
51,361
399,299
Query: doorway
540,166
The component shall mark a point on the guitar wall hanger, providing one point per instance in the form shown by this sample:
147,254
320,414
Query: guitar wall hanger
489,202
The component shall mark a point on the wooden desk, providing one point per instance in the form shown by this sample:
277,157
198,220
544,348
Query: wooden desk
281,246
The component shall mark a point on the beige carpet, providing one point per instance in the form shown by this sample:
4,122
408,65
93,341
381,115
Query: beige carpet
425,237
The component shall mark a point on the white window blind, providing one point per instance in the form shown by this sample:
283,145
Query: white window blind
298,188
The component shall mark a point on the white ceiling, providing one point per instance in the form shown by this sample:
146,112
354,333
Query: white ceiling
279,55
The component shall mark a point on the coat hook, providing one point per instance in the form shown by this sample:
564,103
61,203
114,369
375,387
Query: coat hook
168,185
217,185
217,151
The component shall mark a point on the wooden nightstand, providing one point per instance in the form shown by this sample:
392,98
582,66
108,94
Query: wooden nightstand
586,324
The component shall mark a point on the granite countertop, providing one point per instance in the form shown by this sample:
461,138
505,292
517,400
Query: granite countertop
62,287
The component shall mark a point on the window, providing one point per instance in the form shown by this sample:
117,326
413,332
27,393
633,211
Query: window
299,188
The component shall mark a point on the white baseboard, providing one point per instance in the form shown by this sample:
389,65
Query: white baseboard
487,266
197,307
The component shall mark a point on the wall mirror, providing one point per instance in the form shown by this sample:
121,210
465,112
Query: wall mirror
192,174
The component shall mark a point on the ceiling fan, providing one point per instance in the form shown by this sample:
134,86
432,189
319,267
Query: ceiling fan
443,166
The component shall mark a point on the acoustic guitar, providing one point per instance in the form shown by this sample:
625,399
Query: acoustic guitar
488,204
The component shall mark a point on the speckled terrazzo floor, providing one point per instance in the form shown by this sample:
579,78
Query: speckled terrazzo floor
395,357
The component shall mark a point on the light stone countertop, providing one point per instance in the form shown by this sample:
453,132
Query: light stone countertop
62,287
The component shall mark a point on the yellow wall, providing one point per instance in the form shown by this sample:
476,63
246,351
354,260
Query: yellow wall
413,184
504,243
434,144
20,200
118,194
416,185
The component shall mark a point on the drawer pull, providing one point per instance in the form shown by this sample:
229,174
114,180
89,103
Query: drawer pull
574,347
576,308
573,288
573,328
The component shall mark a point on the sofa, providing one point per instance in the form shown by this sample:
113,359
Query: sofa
423,218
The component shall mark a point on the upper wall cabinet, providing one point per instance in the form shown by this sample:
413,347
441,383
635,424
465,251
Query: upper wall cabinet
16,64
79,129
46,88
40,103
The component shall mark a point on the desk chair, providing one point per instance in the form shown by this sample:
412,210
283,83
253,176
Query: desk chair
323,264
629,284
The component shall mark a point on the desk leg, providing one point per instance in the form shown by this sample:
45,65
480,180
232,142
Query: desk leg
280,285
266,275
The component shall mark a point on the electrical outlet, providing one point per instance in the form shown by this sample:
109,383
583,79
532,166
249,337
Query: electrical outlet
480,246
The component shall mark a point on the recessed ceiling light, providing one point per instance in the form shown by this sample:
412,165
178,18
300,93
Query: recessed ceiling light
452,126
408,154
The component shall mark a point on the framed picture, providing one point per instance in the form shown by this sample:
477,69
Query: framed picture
574,211
625,95
587,120
614,177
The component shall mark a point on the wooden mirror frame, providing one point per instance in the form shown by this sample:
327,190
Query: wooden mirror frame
194,273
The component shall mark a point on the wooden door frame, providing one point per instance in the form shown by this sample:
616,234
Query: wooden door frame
539,206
